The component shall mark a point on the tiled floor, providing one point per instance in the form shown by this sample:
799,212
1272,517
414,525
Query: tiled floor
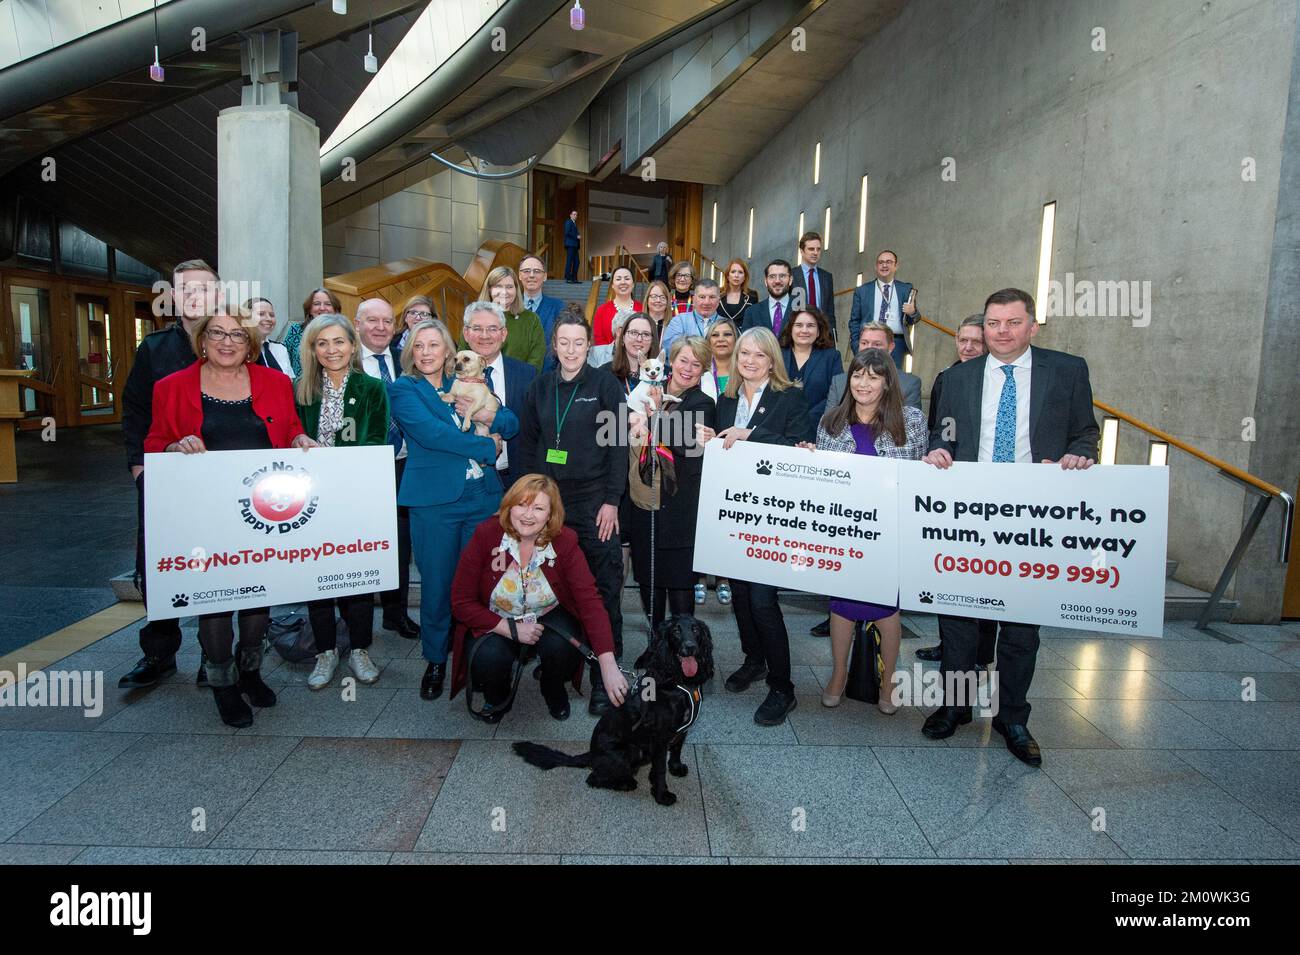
1153,750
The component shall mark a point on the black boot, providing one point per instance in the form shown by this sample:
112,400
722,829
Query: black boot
147,672
223,678
250,678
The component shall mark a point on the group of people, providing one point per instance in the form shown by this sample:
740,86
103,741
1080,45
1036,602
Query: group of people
524,534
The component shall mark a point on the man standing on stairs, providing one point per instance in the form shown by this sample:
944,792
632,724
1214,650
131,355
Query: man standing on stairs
532,276
572,240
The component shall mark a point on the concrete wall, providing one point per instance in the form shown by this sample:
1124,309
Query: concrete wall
642,108
444,217
1141,145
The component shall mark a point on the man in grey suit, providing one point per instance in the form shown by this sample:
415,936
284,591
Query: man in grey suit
877,335
885,300
1018,405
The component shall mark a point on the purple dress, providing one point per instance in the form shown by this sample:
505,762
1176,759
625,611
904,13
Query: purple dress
853,609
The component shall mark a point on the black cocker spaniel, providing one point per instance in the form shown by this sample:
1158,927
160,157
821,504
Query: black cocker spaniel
651,725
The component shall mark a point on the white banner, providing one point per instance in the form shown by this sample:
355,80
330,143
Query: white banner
817,521
232,529
1031,543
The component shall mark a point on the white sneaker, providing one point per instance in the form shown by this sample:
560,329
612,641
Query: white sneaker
362,666
323,672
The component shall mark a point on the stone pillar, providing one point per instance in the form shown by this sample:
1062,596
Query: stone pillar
269,204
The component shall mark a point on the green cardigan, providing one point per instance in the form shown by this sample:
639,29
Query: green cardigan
365,413
525,339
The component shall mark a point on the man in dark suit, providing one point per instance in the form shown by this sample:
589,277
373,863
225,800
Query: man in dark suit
970,345
485,332
661,263
772,312
382,359
572,240
1018,405
196,292
532,276
818,285
885,300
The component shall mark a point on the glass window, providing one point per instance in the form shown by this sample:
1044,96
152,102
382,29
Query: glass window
127,269
35,236
81,253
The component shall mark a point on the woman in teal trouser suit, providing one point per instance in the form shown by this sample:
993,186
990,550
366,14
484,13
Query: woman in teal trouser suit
450,483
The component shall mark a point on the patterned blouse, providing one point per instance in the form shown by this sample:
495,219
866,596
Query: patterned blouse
292,339
523,590
331,410
918,439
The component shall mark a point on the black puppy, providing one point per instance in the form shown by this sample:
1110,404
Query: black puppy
651,725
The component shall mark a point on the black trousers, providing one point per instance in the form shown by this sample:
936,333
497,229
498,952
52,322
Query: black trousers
676,600
605,558
1017,648
394,601
158,638
571,263
762,630
508,476
495,655
357,611
988,639
217,632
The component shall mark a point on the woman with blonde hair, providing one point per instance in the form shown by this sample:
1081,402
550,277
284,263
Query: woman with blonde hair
736,293
340,406
761,404
525,339
450,483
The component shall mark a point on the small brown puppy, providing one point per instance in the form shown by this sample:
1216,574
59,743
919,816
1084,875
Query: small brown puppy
471,384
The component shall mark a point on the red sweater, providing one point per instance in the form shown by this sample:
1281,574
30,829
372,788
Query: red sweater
178,406
602,323
476,577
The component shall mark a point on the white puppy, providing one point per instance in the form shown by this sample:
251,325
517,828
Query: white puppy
652,376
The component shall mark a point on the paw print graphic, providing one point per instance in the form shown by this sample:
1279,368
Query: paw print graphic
764,467
926,597
180,600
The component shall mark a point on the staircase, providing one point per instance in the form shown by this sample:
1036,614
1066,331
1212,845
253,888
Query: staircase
558,288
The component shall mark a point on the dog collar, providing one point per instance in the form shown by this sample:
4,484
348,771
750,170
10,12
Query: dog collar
474,381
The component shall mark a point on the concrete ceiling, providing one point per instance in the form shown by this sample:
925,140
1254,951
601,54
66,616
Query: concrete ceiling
727,129
543,61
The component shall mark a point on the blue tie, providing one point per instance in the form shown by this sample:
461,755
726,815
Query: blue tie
883,317
487,375
394,432
1004,431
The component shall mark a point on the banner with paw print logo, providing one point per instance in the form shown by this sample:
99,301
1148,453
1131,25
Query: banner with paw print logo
817,521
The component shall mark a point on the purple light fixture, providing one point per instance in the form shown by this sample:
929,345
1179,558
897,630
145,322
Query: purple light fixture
155,70
577,16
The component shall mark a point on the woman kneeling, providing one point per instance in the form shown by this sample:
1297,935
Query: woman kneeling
523,582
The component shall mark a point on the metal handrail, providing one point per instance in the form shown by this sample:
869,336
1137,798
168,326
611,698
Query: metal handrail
1266,491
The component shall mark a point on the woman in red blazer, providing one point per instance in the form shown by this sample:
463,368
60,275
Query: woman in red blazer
225,402
522,572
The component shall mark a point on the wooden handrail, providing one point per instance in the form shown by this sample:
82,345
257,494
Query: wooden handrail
592,298
1157,433
37,385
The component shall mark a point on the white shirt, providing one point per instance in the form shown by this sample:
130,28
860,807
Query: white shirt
785,309
994,379
893,312
370,365
743,408
499,389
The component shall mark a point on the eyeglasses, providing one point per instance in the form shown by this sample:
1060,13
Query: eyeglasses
483,329
637,335
220,334
419,314
532,271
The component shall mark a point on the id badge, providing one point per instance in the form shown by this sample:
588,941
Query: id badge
556,456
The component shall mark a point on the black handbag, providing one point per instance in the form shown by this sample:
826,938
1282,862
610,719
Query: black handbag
865,664
293,639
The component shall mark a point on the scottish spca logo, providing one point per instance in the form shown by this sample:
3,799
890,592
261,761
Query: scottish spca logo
279,499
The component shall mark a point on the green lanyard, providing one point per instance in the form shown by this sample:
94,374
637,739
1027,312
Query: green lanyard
559,418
